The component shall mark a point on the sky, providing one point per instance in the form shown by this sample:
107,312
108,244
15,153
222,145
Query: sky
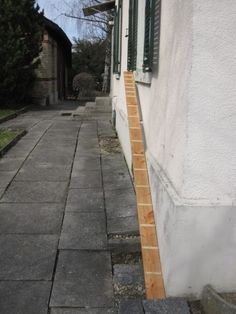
53,10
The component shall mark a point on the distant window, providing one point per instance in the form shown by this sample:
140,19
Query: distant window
133,34
117,38
152,35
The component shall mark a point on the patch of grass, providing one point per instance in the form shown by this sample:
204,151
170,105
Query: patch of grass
6,112
6,136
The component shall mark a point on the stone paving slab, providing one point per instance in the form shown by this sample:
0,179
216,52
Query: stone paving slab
84,231
37,192
87,140
121,212
168,306
21,149
83,279
119,173
88,145
89,131
86,163
42,125
124,244
87,153
69,132
116,180
84,311
86,179
10,164
66,126
85,200
54,149
56,143
33,135
123,226
131,307
120,203
105,129
27,257
52,156
35,171
21,297
6,177
30,218
113,165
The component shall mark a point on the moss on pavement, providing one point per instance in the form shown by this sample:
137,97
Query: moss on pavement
6,136
6,112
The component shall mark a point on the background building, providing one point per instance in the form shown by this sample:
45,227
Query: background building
53,73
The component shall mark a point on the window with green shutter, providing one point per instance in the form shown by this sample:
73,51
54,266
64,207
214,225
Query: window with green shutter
117,38
133,34
152,35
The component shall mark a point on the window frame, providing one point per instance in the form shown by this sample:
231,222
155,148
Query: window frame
132,35
117,38
149,35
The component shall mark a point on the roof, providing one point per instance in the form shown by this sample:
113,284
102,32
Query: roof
60,36
57,32
102,7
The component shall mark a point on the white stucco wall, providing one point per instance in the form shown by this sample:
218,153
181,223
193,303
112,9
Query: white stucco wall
118,92
189,117
165,102
210,170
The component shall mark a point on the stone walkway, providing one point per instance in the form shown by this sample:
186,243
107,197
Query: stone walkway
65,202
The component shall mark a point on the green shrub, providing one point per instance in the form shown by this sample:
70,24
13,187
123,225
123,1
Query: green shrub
84,84
21,30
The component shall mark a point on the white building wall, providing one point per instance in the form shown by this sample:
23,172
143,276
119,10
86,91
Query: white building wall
210,170
189,116
118,92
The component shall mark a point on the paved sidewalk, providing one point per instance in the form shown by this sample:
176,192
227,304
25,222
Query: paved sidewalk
63,195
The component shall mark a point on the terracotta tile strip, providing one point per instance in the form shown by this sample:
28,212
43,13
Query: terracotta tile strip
151,258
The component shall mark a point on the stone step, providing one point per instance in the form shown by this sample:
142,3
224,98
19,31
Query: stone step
103,101
215,303
90,105
103,104
79,111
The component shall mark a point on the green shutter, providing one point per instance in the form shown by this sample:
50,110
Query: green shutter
156,35
149,35
133,35
117,39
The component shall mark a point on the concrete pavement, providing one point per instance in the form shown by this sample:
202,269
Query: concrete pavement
62,196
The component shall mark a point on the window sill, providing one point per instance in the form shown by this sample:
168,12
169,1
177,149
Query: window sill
143,77
117,76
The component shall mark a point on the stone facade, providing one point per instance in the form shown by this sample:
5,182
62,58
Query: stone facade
52,75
